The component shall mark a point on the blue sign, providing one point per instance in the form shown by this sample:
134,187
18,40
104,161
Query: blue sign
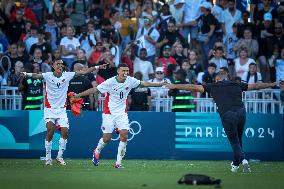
152,135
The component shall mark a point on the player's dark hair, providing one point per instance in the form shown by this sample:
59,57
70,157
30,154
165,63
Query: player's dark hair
122,65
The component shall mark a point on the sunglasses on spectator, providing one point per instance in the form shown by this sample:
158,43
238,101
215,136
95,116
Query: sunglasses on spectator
160,73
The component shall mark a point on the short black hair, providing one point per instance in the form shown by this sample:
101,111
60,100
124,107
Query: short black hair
212,65
122,65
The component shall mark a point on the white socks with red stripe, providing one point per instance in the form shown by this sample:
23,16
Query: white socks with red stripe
62,147
120,152
48,147
100,146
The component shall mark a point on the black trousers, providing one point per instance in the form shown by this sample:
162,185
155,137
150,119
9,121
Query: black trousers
234,122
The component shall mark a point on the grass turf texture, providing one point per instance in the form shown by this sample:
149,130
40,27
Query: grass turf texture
33,174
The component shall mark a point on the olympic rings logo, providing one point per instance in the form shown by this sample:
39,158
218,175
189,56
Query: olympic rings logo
134,129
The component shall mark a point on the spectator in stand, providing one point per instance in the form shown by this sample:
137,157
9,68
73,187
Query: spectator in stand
12,55
145,67
87,41
266,8
242,62
245,23
229,43
39,9
7,6
26,32
178,53
41,43
110,71
4,21
108,31
79,84
208,25
31,37
164,18
266,30
139,99
14,78
250,44
96,54
188,27
27,13
194,62
282,91
279,67
37,57
147,37
58,14
190,74
114,49
46,63
77,10
80,58
22,52
53,30
5,65
128,57
252,76
209,75
69,46
146,9
166,59
128,28
231,16
170,37
218,59
177,10
16,27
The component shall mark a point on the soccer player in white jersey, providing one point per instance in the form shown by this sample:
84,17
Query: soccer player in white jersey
114,114
55,115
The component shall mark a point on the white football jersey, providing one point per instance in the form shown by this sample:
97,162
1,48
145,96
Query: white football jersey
56,89
116,94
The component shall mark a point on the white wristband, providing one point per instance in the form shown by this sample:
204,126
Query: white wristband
29,74
97,67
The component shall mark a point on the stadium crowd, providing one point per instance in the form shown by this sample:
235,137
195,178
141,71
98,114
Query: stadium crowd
178,41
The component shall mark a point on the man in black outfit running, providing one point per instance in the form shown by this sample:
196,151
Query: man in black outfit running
228,97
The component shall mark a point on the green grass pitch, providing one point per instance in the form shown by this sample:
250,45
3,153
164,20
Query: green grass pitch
144,174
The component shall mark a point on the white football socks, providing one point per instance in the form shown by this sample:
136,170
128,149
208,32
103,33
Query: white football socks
48,147
62,147
100,146
120,152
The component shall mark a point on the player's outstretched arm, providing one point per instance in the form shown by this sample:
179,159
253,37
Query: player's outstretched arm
149,84
32,75
89,70
87,92
187,87
257,86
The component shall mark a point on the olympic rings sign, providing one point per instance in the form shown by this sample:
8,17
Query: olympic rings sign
134,129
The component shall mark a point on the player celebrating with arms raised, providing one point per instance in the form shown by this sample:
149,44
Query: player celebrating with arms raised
114,114
55,115
228,98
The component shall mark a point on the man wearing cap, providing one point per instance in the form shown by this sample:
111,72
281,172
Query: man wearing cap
147,36
266,30
177,10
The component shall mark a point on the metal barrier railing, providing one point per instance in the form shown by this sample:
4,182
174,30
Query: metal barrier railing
261,101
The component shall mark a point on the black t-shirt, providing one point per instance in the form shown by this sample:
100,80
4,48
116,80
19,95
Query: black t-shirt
45,48
226,94
108,72
139,98
207,21
79,84
172,37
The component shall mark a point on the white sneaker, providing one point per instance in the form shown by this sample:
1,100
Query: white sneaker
234,168
60,160
48,162
246,167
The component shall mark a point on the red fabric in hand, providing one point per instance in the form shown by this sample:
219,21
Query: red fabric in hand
76,104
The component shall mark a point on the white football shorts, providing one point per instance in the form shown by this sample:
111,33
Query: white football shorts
110,122
57,116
